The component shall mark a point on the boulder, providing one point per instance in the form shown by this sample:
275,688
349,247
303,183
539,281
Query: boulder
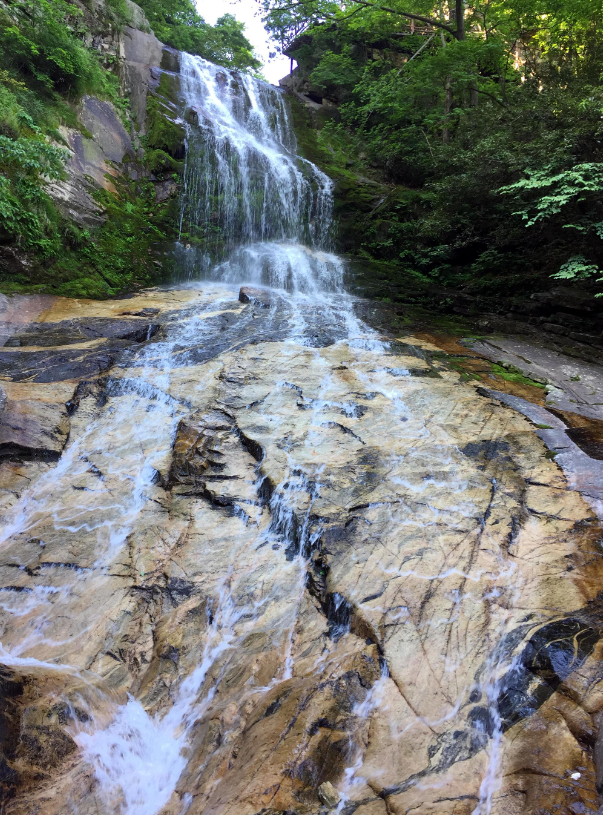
328,795
257,297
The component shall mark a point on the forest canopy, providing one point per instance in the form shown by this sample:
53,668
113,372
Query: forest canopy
491,111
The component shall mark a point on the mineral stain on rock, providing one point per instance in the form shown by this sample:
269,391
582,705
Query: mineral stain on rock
551,654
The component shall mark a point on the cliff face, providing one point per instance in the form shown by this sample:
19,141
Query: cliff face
105,147
117,199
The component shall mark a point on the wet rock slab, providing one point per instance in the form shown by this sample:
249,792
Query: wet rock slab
393,591
572,384
67,332
43,352
34,421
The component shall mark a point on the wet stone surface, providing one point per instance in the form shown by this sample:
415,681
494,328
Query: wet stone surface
328,572
66,332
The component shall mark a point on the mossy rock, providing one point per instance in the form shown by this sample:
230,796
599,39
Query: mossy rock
170,59
158,161
162,132
169,87
306,135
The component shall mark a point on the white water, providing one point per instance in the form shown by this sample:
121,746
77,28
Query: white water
243,179
244,136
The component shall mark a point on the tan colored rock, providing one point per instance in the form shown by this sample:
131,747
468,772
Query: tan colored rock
34,419
328,795
342,581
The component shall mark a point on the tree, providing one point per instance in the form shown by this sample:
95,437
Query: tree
177,23
287,18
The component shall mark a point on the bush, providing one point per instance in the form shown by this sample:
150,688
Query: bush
27,214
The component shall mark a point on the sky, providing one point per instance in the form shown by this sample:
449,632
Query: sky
248,12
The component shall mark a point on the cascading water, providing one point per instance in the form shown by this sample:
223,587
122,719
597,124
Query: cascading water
243,180
241,526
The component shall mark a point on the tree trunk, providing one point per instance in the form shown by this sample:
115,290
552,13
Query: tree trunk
460,19
447,109
473,94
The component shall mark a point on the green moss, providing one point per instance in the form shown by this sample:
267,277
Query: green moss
159,161
162,132
168,87
306,134
512,374
129,251
462,363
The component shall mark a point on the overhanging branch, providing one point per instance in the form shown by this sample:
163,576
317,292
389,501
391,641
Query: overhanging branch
408,15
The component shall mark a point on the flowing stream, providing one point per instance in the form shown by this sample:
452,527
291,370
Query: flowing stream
182,599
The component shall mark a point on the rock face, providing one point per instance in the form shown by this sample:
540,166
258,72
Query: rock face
106,147
102,148
117,152
259,297
262,569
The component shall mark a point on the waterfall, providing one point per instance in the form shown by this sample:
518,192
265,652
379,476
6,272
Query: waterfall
252,212
243,181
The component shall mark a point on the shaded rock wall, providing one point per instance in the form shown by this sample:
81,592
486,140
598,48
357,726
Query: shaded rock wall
108,145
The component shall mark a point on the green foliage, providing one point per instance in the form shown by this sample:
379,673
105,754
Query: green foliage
550,192
339,71
578,268
32,158
490,133
45,67
177,23
27,216
117,256
42,40
158,161
113,258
